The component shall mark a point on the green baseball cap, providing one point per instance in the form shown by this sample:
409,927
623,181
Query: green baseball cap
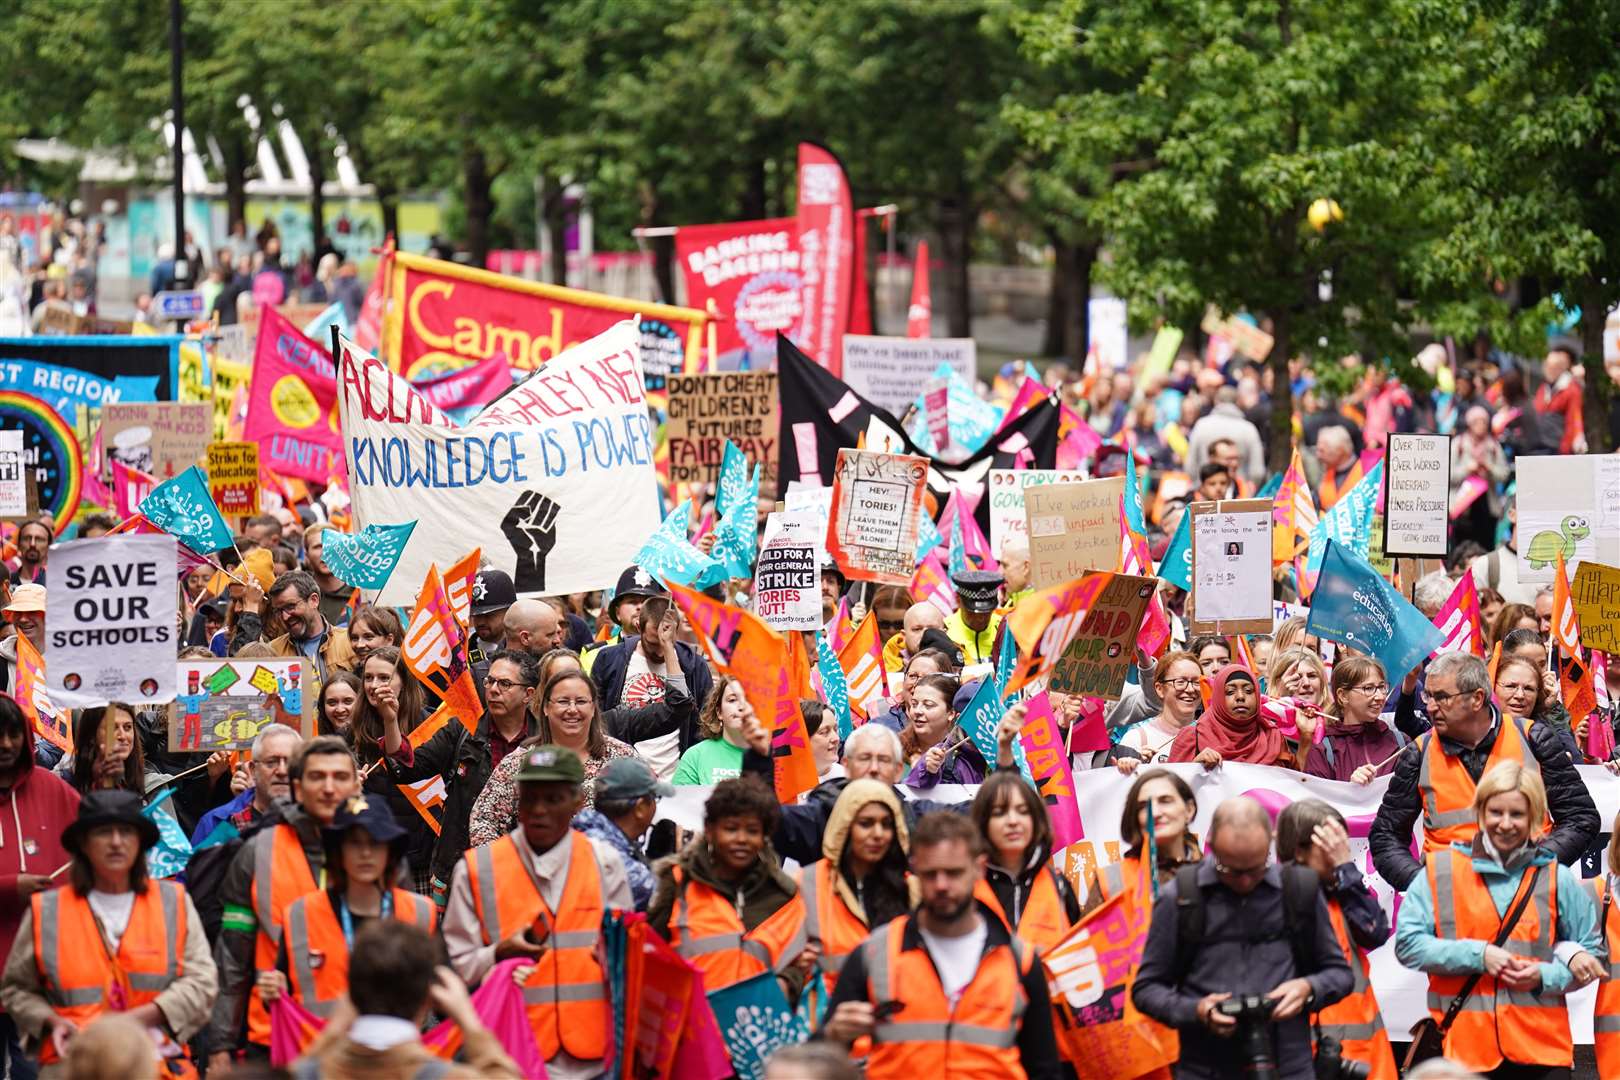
550,763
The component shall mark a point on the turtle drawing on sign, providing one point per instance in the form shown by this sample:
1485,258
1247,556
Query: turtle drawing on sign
1546,545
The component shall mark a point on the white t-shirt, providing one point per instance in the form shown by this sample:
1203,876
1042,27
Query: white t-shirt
1149,740
956,958
644,685
113,911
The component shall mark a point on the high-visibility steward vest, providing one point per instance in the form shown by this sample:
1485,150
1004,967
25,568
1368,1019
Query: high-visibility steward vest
1447,791
927,1037
1042,922
1330,491
1497,1024
828,922
709,934
1606,1014
318,954
281,875
78,978
1354,1020
566,996
1112,880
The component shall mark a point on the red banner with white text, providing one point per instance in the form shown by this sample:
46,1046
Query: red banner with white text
750,271
826,223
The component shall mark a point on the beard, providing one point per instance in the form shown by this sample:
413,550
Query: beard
946,910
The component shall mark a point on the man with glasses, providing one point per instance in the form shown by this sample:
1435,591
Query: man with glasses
465,759
1435,780
1248,928
296,599
265,779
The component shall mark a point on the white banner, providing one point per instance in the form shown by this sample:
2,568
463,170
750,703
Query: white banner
887,370
554,479
110,621
13,476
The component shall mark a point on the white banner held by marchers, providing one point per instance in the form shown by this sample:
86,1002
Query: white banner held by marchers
110,620
554,479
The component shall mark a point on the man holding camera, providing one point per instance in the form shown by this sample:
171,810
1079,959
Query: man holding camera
1239,952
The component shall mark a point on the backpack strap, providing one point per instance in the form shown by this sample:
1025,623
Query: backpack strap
1326,746
1300,886
1493,569
1189,916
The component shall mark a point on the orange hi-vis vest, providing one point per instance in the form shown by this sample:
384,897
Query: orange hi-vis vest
1497,1024
1606,1014
1447,791
928,1037
828,922
566,996
80,980
1355,1020
1042,922
281,875
318,954
1330,491
708,933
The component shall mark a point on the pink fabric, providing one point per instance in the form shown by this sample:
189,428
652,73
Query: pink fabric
702,1054
498,1002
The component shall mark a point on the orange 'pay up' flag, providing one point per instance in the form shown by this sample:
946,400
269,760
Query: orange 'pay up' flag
862,661
774,675
435,649
1574,674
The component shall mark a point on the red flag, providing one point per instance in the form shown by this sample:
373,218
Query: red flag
773,677
750,272
130,487
368,327
826,226
860,303
920,315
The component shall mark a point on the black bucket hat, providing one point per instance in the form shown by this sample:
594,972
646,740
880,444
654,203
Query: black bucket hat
110,807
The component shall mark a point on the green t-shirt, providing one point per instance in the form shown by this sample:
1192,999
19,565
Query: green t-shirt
709,762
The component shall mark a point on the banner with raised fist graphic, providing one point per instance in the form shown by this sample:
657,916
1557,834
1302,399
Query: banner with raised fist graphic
555,477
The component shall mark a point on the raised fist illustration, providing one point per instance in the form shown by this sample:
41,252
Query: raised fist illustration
531,528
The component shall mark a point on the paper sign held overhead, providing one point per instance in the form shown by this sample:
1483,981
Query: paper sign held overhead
110,620
1596,593
1007,487
1073,528
875,506
222,704
233,477
1569,504
1097,660
787,579
887,370
1417,478
13,476
1231,567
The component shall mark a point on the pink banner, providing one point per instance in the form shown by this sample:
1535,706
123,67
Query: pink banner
468,387
826,227
749,273
1048,762
1471,489
292,413
130,488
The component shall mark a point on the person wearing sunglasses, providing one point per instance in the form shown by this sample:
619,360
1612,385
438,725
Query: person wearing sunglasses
1356,745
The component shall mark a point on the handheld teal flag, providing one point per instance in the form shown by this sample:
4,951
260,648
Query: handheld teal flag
736,535
183,507
671,557
1348,522
1176,566
834,684
958,553
365,559
1133,496
1355,605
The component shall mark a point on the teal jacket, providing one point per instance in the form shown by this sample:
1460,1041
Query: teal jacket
1417,946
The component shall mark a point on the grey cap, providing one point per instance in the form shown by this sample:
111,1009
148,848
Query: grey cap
629,778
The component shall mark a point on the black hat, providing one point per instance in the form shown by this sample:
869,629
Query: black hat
366,812
935,638
113,806
492,591
978,591
634,582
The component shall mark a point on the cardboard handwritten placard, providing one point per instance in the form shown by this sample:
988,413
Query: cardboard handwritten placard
1245,337
222,704
1231,567
163,438
706,410
1417,478
1072,528
1007,487
233,476
1097,660
1596,593
875,506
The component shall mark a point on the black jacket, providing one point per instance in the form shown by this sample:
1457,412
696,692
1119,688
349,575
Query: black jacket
1037,1045
462,758
1012,893
1575,818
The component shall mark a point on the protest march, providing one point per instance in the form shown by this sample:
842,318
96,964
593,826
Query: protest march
410,668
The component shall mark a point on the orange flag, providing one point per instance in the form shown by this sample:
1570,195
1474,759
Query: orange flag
435,649
52,724
862,661
458,585
1045,623
1574,674
773,677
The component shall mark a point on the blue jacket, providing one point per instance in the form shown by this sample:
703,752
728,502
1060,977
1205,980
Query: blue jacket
1418,947
209,821
611,663
594,824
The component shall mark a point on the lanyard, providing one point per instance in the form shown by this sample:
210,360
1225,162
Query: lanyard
347,920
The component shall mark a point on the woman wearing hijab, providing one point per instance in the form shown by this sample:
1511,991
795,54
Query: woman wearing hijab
861,883
1233,728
